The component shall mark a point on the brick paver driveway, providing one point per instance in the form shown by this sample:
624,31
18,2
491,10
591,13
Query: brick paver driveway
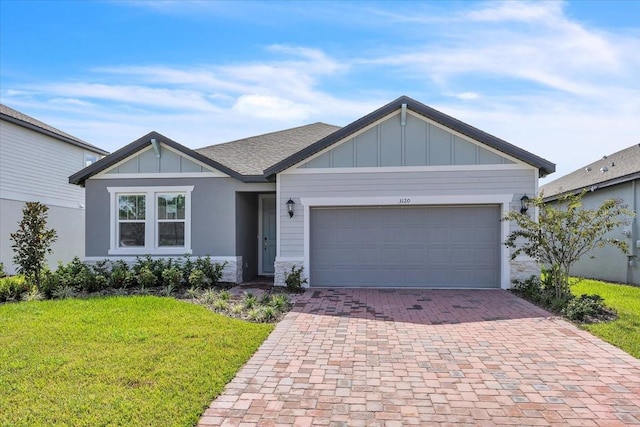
423,357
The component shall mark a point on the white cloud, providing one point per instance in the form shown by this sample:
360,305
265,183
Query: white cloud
270,107
553,86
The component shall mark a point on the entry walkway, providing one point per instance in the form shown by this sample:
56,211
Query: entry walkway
423,357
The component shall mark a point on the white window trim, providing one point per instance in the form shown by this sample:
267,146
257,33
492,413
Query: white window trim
151,222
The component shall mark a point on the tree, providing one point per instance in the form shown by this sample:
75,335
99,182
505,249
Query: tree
32,241
564,232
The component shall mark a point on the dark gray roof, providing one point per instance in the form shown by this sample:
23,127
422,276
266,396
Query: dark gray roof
260,158
251,156
545,167
21,119
612,169
80,177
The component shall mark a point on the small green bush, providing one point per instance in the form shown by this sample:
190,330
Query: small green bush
294,280
197,279
585,308
280,302
249,300
12,288
172,276
2,273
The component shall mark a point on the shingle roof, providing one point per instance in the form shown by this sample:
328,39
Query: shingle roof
21,119
251,156
80,177
544,166
609,170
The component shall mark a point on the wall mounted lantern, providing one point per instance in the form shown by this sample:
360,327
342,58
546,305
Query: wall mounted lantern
524,204
291,207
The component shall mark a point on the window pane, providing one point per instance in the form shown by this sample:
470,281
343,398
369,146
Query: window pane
171,206
131,234
171,234
131,207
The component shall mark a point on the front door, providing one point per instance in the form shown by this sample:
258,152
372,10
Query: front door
268,235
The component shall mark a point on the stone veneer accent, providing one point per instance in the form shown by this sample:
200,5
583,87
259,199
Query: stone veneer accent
232,272
523,268
282,268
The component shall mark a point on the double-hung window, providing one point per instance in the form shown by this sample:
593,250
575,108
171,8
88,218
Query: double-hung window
150,220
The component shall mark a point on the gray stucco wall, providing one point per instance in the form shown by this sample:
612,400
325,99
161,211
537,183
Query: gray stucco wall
213,208
609,263
247,233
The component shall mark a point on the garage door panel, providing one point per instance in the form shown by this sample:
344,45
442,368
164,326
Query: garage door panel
425,246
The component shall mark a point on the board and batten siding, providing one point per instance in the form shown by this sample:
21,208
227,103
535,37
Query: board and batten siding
509,182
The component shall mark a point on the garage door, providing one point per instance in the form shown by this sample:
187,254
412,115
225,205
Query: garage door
408,246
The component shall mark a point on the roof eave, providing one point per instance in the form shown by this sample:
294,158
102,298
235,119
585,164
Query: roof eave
80,177
57,136
594,187
544,166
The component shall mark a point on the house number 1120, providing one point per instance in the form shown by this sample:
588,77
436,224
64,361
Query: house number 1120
405,201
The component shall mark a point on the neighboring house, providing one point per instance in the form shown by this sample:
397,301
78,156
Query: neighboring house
405,196
35,162
616,176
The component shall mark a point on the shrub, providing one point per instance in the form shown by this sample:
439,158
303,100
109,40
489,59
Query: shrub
32,241
585,308
172,276
294,280
212,271
64,292
33,294
255,314
268,314
12,288
2,273
220,305
197,279
280,302
120,276
224,295
249,300
208,297
146,278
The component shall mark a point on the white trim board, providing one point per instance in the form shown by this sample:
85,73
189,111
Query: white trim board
396,169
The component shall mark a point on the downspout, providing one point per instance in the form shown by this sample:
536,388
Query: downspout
403,126
635,239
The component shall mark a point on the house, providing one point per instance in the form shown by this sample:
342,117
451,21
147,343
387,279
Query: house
616,176
35,163
405,196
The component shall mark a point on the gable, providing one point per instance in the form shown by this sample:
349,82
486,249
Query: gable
164,160
416,143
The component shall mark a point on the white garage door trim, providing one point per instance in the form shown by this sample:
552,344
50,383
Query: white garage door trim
504,200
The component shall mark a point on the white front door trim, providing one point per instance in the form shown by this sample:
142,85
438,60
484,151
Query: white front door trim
504,200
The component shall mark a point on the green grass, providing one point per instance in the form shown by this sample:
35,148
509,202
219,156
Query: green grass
134,361
625,331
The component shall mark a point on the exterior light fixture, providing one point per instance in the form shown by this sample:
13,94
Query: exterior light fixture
291,207
524,204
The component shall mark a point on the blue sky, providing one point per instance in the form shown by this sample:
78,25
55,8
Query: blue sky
560,79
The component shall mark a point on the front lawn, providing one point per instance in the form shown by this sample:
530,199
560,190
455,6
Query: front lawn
134,361
625,331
